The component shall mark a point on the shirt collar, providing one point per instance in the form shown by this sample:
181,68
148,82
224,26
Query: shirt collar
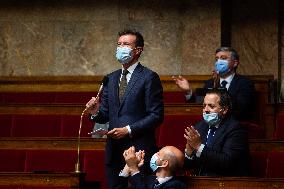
131,68
164,179
228,79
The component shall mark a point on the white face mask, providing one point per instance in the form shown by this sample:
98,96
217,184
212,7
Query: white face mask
211,118
124,54
153,163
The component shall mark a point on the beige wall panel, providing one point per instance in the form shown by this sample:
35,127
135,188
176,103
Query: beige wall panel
79,37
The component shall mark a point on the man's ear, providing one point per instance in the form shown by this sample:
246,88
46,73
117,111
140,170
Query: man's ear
139,49
225,110
165,163
236,63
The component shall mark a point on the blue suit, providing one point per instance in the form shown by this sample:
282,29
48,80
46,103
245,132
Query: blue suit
141,108
242,94
229,153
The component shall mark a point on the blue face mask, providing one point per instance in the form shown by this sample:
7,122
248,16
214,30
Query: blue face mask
153,163
211,118
222,66
124,54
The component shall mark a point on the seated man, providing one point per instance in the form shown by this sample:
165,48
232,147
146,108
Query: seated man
240,88
164,163
217,145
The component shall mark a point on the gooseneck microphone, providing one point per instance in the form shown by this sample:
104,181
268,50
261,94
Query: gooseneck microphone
104,83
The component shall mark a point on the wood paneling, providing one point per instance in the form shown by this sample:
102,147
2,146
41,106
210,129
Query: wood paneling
70,180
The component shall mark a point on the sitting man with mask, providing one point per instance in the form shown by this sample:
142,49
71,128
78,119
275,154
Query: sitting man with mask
240,88
217,145
164,163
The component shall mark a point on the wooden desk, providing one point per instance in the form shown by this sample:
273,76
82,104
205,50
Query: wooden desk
71,180
51,143
233,183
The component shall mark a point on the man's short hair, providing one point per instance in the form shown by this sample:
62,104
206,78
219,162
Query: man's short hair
139,37
233,52
225,99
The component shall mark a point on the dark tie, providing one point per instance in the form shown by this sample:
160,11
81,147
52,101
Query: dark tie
223,84
210,136
123,84
156,183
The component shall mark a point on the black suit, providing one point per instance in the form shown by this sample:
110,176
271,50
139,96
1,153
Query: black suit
141,108
229,154
139,182
242,94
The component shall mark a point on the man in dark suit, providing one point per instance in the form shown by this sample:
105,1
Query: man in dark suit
240,88
164,163
132,102
217,145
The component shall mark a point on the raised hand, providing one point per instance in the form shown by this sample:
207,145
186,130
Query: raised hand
182,83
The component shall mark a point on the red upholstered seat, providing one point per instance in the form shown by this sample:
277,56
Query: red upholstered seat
51,160
279,130
74,97
5,125
36,126
43,187
259,161
94,166
12,160
33,187
254,130
28,97
172,130
70,126
46,97
174,97
275,165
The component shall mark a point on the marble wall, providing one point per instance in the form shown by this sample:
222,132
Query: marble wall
78,37
281,51
255,35
72,37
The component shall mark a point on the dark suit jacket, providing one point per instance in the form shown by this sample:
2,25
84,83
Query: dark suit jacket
139,182
141,108
229,154
242,94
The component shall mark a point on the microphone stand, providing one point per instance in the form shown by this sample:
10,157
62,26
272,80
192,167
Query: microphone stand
77,165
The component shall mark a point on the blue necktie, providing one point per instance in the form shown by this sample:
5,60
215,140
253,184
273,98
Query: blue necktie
156,183
210,136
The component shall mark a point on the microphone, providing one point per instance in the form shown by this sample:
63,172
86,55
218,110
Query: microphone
77,165
104,82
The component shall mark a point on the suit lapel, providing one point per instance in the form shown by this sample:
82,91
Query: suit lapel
219,132
232,87
134,77
203,132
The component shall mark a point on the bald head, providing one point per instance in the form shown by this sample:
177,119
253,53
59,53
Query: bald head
174,156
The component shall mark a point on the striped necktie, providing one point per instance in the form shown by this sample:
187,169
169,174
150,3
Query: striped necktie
123,84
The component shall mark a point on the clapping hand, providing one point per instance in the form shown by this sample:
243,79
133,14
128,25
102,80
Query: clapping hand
192,137
133,159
